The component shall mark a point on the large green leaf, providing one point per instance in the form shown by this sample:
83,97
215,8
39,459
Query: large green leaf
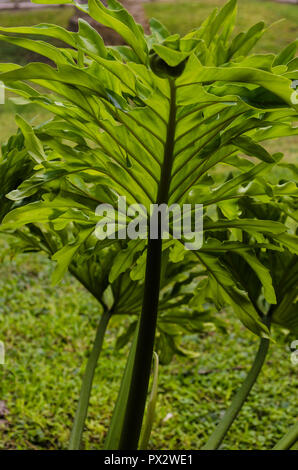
117,18
225,292
124,107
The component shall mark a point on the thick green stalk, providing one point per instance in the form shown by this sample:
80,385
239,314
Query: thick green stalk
224,425
81,413
136,402
289,440
150,413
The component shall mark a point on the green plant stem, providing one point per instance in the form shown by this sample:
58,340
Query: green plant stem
144,350
224,425
148,421
138,389
289,440
81,413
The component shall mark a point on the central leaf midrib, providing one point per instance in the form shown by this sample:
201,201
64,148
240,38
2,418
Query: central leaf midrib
138,388
166,170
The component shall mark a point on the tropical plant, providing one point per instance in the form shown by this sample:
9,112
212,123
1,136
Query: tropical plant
282,265
155,121
116,293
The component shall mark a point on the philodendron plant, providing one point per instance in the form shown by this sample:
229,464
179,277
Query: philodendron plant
117,291
155,122
283,268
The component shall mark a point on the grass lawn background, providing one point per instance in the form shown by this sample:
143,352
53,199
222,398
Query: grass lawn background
48,331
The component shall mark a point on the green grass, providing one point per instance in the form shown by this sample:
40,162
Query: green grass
59,16
47,332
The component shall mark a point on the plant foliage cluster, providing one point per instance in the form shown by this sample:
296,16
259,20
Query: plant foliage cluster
163,119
